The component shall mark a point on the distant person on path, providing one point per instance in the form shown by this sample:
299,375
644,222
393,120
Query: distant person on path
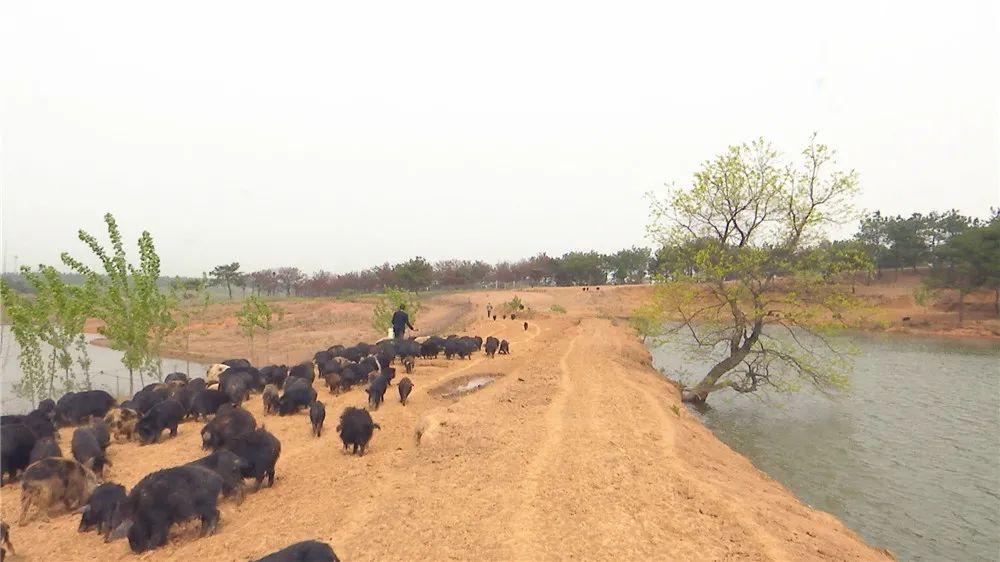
400,321
489,310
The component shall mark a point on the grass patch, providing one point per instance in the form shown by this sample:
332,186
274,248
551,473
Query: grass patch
558,308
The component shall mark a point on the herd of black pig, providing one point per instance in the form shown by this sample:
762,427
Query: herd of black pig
239,448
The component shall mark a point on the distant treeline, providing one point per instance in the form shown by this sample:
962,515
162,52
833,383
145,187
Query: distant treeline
627,266
891,242
919,240
962,253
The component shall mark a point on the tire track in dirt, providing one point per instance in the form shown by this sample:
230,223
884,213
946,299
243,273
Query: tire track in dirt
404,483
577,451
605,466
656,409
523,526
363,512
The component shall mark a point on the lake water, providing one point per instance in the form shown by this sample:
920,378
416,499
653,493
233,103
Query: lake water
106,372
909,457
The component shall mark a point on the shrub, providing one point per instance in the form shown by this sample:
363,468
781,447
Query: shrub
388,303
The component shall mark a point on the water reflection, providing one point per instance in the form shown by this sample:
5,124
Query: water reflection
106,372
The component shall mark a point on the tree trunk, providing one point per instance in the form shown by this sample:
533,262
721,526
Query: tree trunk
961,307
740,345
131,384
710,384
52,374
230,289
996,300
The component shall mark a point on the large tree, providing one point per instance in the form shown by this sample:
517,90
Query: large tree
538,269
414,274
744,278
873,234
263,281
968,262
226,274
580,268
629,265
289,278
907,244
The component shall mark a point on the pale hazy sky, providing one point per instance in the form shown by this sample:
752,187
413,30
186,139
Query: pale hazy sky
301,135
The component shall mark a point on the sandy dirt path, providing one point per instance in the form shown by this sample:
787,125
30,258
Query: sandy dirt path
578,450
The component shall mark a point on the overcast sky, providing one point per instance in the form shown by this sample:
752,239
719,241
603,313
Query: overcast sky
342,135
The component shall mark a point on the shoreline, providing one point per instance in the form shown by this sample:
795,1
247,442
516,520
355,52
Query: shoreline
484,475
618,324
992,337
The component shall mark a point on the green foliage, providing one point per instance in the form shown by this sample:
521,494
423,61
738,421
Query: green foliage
558,308
896,242
647,321
228,275
388,303
629,265
137,316
414,274
925,295
27,321
514,305
54,316
744,254
586,268
255,315
832,260
906,246
967,262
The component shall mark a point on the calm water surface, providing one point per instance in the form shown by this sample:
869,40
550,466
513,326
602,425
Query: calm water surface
909,457
106,372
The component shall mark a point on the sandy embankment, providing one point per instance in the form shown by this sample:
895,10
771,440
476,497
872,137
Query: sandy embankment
578,450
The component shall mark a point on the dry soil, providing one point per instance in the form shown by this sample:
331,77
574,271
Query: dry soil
577,450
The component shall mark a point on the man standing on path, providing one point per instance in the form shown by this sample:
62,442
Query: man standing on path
400,321
489,310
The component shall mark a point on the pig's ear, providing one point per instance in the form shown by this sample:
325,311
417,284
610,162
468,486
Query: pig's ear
83,509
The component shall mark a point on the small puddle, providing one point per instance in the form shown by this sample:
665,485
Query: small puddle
464,385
